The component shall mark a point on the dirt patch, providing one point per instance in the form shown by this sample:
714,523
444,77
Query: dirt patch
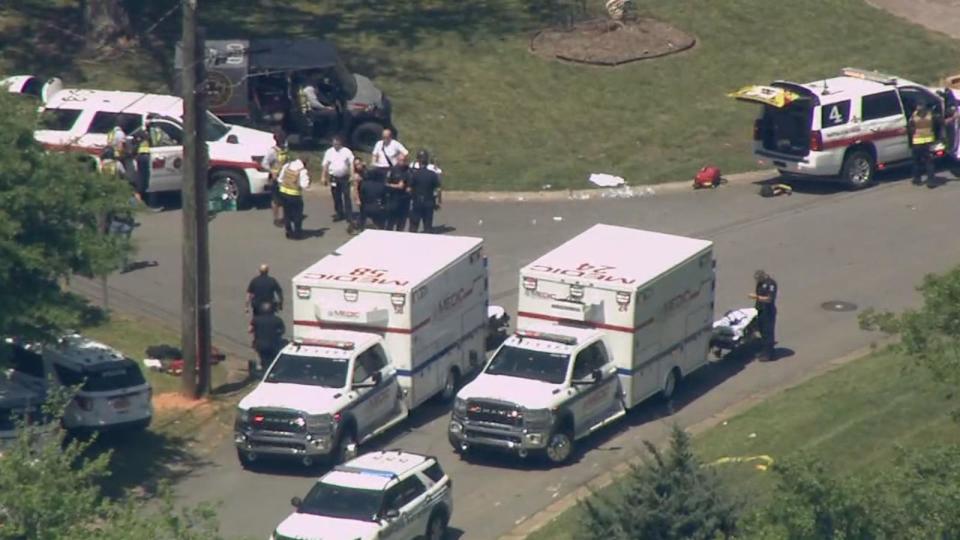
173,401
609,43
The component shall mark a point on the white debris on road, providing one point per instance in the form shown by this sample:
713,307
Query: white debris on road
606,180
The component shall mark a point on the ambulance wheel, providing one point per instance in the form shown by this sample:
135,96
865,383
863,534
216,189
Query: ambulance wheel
560,446
670,385
236,184
450,386
859,169
365,136
245,460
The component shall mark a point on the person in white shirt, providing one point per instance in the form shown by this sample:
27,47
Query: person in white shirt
387,150
337,165
292,180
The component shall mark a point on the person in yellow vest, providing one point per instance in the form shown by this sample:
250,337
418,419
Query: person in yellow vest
144,139
922,138
291,182
316,107
275,159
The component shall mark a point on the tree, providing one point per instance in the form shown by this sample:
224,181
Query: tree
52,207
929,335
49,490
105,21
670,496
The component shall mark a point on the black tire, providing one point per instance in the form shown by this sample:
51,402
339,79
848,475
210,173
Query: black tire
365,135
560,446
450,387
245,462
437,526
671,384
238,187
859,170
341,453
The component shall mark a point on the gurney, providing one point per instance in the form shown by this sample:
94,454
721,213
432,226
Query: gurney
735,330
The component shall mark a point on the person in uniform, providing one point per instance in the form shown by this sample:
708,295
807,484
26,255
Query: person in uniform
318,114
275,159
398,195
766,304
387,151
337,166
264,289
373,192
292,180
267,329
425,192
922,137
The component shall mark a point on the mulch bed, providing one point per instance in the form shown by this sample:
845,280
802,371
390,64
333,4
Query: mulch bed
608,43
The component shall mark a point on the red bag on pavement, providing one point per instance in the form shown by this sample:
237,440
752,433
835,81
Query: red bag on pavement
707,177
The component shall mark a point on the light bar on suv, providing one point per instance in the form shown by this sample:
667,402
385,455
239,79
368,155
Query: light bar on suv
873,76
328,343
369,472
546,336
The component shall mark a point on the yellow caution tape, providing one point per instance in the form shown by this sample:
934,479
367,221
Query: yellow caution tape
767,461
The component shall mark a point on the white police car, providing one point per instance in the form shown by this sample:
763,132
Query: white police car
390,495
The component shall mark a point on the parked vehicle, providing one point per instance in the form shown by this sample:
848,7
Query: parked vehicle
845,127
19,406
111,394
390,495
31,85
254,82
600,328
382,325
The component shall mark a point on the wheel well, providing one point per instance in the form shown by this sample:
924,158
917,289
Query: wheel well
566,421
866,147
215,170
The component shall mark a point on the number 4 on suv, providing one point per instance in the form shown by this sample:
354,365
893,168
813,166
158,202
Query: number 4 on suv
846,127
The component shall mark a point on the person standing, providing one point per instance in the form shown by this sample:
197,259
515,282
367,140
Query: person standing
267,329
337,166
293,179
263,289
275,159
398,195
922,137
425,192
373,193
387,151
357,173
766,304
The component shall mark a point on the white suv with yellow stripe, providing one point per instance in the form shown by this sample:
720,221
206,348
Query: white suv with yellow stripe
390,495
845,127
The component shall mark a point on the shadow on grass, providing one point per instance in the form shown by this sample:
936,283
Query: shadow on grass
142,460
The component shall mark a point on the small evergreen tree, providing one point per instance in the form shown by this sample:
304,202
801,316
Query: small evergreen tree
671,496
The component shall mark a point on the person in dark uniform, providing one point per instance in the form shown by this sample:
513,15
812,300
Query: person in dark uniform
267,329
263,289
373,193
766,298
398,195
425,192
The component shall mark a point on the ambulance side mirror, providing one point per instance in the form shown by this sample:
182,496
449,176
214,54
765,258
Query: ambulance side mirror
597,375
377,378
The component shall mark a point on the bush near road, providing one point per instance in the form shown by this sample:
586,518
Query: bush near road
464,85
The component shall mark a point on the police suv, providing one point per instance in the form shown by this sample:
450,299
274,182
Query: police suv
845,127
391,495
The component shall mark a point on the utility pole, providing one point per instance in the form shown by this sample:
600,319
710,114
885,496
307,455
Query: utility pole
195,316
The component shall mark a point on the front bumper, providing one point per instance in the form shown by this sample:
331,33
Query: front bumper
464,434
280,444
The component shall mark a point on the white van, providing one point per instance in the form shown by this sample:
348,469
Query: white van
845,127
381,325
79,120
112,394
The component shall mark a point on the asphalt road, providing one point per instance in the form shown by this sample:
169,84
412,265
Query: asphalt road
868,247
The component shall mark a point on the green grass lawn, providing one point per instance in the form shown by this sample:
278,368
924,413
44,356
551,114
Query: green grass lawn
853,419
497,117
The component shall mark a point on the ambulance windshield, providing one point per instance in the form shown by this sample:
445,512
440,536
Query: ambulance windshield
549,367
309,370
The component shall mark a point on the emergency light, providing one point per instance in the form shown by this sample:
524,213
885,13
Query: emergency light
576,291
623,298
546,336
350,295
398,300
872,76
328,343
530,283
303,292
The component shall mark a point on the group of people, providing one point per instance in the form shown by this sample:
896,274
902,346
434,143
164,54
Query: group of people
390,193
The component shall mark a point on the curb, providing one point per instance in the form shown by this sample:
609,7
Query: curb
547,515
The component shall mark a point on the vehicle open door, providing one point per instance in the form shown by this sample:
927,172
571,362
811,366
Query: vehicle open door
765,95
50,89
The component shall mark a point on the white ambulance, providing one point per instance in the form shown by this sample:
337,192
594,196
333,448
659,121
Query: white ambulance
381,325
79,120
605,321
845,127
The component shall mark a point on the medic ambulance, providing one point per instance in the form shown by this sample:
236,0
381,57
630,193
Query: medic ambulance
79,120
845,127
605,321
381,325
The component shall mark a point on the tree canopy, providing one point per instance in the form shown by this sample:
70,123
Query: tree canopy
52,207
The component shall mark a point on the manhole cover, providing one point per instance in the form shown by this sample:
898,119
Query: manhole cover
838,305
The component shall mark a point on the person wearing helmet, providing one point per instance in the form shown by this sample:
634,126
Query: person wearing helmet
766,298
425,192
